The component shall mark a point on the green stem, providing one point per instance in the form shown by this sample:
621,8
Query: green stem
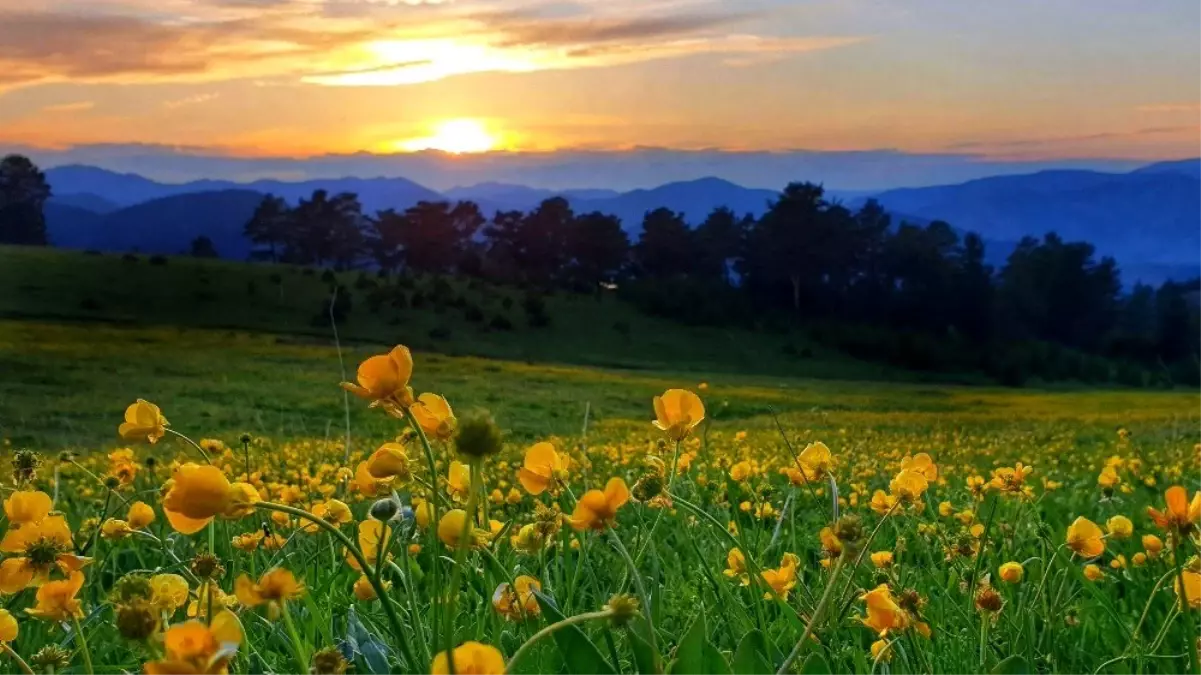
193,443
971,582
642,594
83,646
465,538
818,613
983,640
569,621
373,576
16,657
1182,600
302,661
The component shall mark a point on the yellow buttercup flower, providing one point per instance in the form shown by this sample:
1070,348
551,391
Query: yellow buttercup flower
195,495
385,378
143,422
783,579
451,529
140,515
364,591
1190,592
882,559
169,592
56,600
909,485
736,566
1011,572
518,604
1084,538
458,480
38,548
433,414
471,658
597,509
1119,527
372,534
8,626
115,529
1093,572
389,461
1180,514
26,506
816,461
274,588
1152,544
883,612
677,412
194,648
542,464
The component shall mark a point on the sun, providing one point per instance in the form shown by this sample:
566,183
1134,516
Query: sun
456,136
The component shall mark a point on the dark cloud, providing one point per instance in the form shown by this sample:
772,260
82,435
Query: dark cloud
520,29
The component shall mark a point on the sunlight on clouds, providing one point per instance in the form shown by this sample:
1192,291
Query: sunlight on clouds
399,62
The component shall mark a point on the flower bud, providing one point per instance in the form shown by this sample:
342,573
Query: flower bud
478,436
384,509
624,607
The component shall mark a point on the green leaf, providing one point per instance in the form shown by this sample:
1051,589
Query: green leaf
645,658
751,656
578,651
696,655
815,664
1013,665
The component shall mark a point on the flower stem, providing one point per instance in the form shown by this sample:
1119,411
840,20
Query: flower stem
373,576
569,621
302,661
16,657
818,613
193,443
642,594
83,646
971,582
984,619
1190,633
465,537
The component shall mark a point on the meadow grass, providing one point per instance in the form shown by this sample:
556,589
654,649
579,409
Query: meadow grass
65,386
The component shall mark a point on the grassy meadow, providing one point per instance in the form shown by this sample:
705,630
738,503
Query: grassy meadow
808,520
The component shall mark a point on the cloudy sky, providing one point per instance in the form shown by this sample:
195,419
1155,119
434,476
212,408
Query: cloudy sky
1006,81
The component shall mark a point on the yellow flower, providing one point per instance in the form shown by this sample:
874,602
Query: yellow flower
56,600
338,512
882,559
1180,514
168,592
27,506
365,483
364,591
1139,559
909,485
736,566
520,604
882,502
882,651
274,588
471,658
8,626
1084,538
816,461
1011,480
1093,573
143,421
1119,527
385,377
140,515
597,509
831,544
883,612
248,542
781,580
195,495
1191,590
1011,572
199,606
423,513
677,412
115,529
40,547
389,461
921,463
1118,563
542,464
1153,545
742,471
433,414
372,533
242,498
458,480
194,648
451,529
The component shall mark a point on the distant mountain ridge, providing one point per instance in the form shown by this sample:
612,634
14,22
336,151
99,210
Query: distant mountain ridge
1147,218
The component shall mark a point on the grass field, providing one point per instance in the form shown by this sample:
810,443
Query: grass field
927,537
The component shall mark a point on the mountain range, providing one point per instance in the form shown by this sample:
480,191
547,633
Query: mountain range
1147,218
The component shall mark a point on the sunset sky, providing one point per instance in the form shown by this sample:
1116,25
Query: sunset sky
1018,79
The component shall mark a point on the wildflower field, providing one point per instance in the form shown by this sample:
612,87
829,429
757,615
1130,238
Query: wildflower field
189,501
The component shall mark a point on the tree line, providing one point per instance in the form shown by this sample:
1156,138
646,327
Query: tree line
920,296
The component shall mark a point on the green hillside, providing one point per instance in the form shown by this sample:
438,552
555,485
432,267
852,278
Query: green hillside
450,316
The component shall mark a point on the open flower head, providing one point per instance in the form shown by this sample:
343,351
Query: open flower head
471,658
57,601
195,495
1179,513
541,467
1084,538
143,422
385,378
195,648
433,414
597,509
677,412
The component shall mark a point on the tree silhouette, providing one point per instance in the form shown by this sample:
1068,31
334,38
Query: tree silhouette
597,248
23,194
269,226
666,248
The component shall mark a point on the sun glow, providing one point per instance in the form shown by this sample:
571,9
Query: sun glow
455,136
